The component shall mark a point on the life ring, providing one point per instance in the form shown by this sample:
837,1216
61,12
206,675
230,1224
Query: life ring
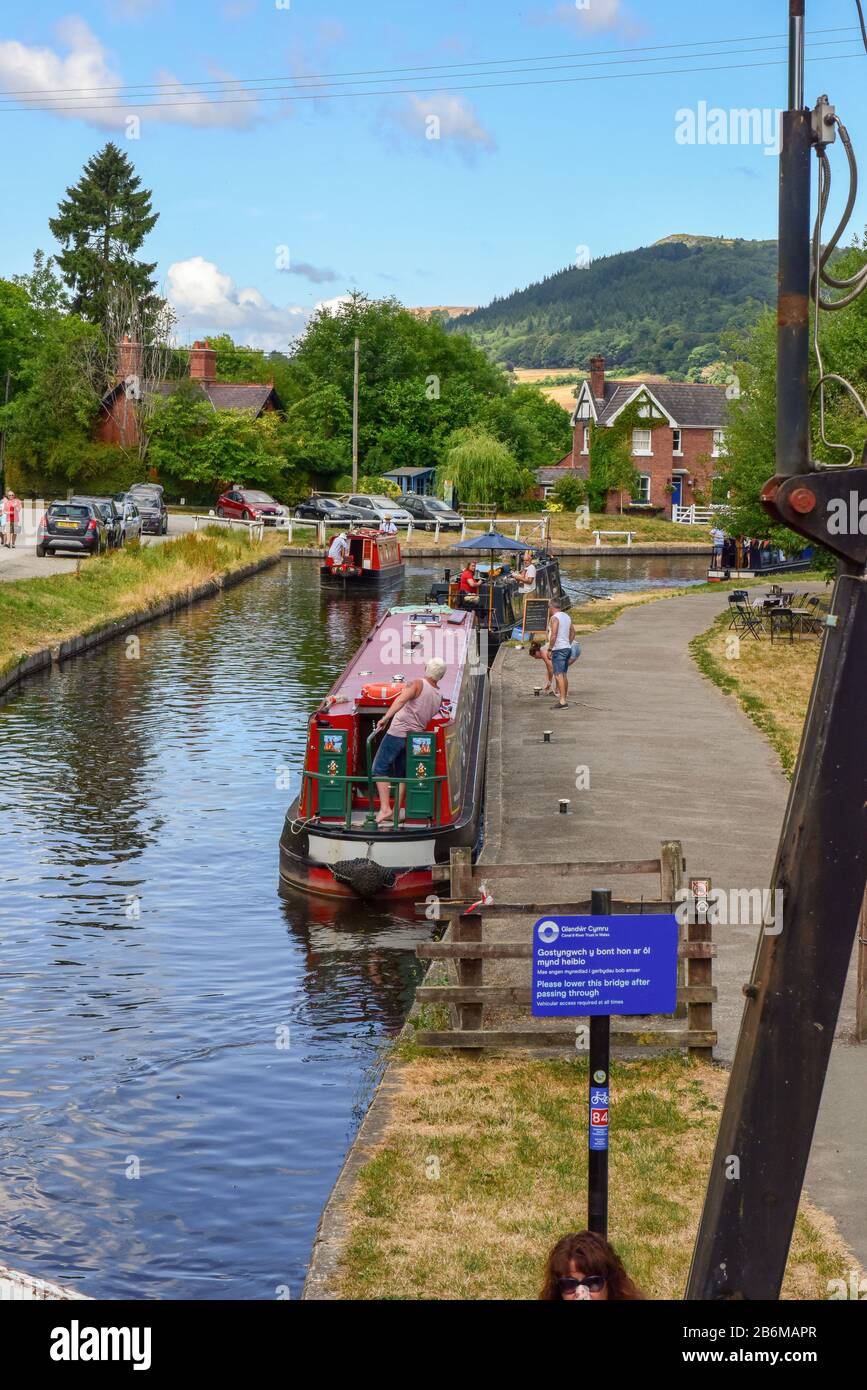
381,693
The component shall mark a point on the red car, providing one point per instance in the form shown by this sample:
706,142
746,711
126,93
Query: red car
250,505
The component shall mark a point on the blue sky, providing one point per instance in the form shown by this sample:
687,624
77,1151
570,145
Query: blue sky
351,191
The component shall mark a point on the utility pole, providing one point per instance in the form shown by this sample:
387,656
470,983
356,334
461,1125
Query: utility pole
355,417
3,435
803,954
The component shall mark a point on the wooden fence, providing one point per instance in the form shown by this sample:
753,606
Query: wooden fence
464,946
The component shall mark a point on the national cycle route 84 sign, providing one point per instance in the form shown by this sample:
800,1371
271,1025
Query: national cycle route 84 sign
604,965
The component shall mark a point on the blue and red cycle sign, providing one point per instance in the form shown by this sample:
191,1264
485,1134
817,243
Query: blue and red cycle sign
604,965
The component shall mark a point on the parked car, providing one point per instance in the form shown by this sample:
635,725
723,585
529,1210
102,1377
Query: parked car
130,519
74,525
327,509
148,498
373,509
250,505
112,516
427,511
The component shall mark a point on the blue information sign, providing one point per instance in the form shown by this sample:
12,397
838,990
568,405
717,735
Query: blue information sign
598,1117
604,965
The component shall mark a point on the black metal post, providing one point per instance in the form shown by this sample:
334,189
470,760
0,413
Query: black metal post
600,1061
793,284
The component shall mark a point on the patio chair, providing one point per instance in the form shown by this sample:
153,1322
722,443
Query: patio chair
746,619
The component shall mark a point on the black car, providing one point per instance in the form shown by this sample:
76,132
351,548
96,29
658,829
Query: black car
427,511
74,525
112,516
327,509
149,499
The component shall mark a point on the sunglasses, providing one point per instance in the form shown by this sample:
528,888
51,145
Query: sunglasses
594,1283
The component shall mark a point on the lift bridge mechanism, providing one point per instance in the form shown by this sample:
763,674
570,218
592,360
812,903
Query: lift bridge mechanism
793,997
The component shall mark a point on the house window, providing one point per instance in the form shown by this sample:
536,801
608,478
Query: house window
719,444
548,490
641,442
676,442
642,497
586,440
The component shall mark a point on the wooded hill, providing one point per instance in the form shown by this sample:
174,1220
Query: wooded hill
661,308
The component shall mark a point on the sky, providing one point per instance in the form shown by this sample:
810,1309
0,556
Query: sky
455,149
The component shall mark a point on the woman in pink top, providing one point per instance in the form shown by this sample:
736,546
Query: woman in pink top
411,712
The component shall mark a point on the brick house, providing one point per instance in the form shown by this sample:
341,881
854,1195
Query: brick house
674,460
118,420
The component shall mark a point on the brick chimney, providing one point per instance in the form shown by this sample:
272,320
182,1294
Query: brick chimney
203,362
597,378
129,358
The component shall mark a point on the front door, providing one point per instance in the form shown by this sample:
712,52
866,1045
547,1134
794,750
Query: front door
676,492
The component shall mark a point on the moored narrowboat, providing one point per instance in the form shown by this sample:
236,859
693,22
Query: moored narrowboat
331,843
371,560
499,603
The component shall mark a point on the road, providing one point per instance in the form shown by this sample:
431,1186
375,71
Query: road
24,563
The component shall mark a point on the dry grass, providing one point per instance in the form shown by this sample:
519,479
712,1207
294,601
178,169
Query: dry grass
772,682
36,613
509,1138
645,529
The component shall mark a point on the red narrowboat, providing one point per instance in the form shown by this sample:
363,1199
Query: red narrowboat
363,559
331,843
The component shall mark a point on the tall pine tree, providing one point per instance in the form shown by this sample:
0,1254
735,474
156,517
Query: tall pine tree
101,224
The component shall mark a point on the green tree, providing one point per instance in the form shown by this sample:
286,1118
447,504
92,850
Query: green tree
101,224
191,443
483,470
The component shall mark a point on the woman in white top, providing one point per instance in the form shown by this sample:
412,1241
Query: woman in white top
561,632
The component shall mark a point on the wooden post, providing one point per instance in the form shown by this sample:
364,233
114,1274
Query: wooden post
699,971
861,988
355,375
670,880
469,928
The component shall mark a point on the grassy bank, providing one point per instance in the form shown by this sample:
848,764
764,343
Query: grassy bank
483,1167
36,613
772,682
645,529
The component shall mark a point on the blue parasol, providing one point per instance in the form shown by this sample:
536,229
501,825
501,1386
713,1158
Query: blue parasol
491,540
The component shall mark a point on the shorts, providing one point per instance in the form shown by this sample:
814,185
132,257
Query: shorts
390,757
560,660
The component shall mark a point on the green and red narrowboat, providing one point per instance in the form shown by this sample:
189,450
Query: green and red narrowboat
374,562
330,843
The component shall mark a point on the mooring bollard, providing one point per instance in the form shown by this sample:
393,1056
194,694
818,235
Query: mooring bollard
537,690
546,736
564,806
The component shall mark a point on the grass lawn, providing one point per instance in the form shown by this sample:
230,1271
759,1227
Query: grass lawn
645,529
37,613
772,682
483,1167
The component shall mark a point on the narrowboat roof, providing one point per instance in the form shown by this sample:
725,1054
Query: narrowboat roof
392,650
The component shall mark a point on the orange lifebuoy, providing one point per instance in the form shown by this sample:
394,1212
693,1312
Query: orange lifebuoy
381,693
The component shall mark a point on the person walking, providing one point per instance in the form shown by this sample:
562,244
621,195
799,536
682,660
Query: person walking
718,539
411,713
561,635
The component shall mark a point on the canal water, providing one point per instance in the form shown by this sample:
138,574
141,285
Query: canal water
184,1055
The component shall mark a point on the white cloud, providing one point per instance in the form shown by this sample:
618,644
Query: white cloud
595,17
440,118
208,301
69,83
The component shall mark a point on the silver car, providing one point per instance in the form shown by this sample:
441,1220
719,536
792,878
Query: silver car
130,519
374,509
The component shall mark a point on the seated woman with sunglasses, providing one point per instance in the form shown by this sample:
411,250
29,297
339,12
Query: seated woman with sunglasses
585,1266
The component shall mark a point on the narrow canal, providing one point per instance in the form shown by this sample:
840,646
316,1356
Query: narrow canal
184,1056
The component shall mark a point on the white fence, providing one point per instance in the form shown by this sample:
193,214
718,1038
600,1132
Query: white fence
693,516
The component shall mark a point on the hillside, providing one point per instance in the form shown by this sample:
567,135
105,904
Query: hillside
662,308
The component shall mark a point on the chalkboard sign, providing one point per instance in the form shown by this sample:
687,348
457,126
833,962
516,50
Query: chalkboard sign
536,615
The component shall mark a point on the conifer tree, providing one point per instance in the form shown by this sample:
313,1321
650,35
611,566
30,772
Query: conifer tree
101,224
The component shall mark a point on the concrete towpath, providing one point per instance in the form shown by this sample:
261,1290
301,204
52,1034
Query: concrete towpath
668,756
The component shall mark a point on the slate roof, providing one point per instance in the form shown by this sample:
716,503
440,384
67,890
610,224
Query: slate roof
223,395
688,403
556,471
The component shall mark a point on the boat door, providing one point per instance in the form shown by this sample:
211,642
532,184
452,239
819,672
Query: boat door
367,555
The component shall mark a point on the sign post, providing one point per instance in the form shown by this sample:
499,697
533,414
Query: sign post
597,1129
595,966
